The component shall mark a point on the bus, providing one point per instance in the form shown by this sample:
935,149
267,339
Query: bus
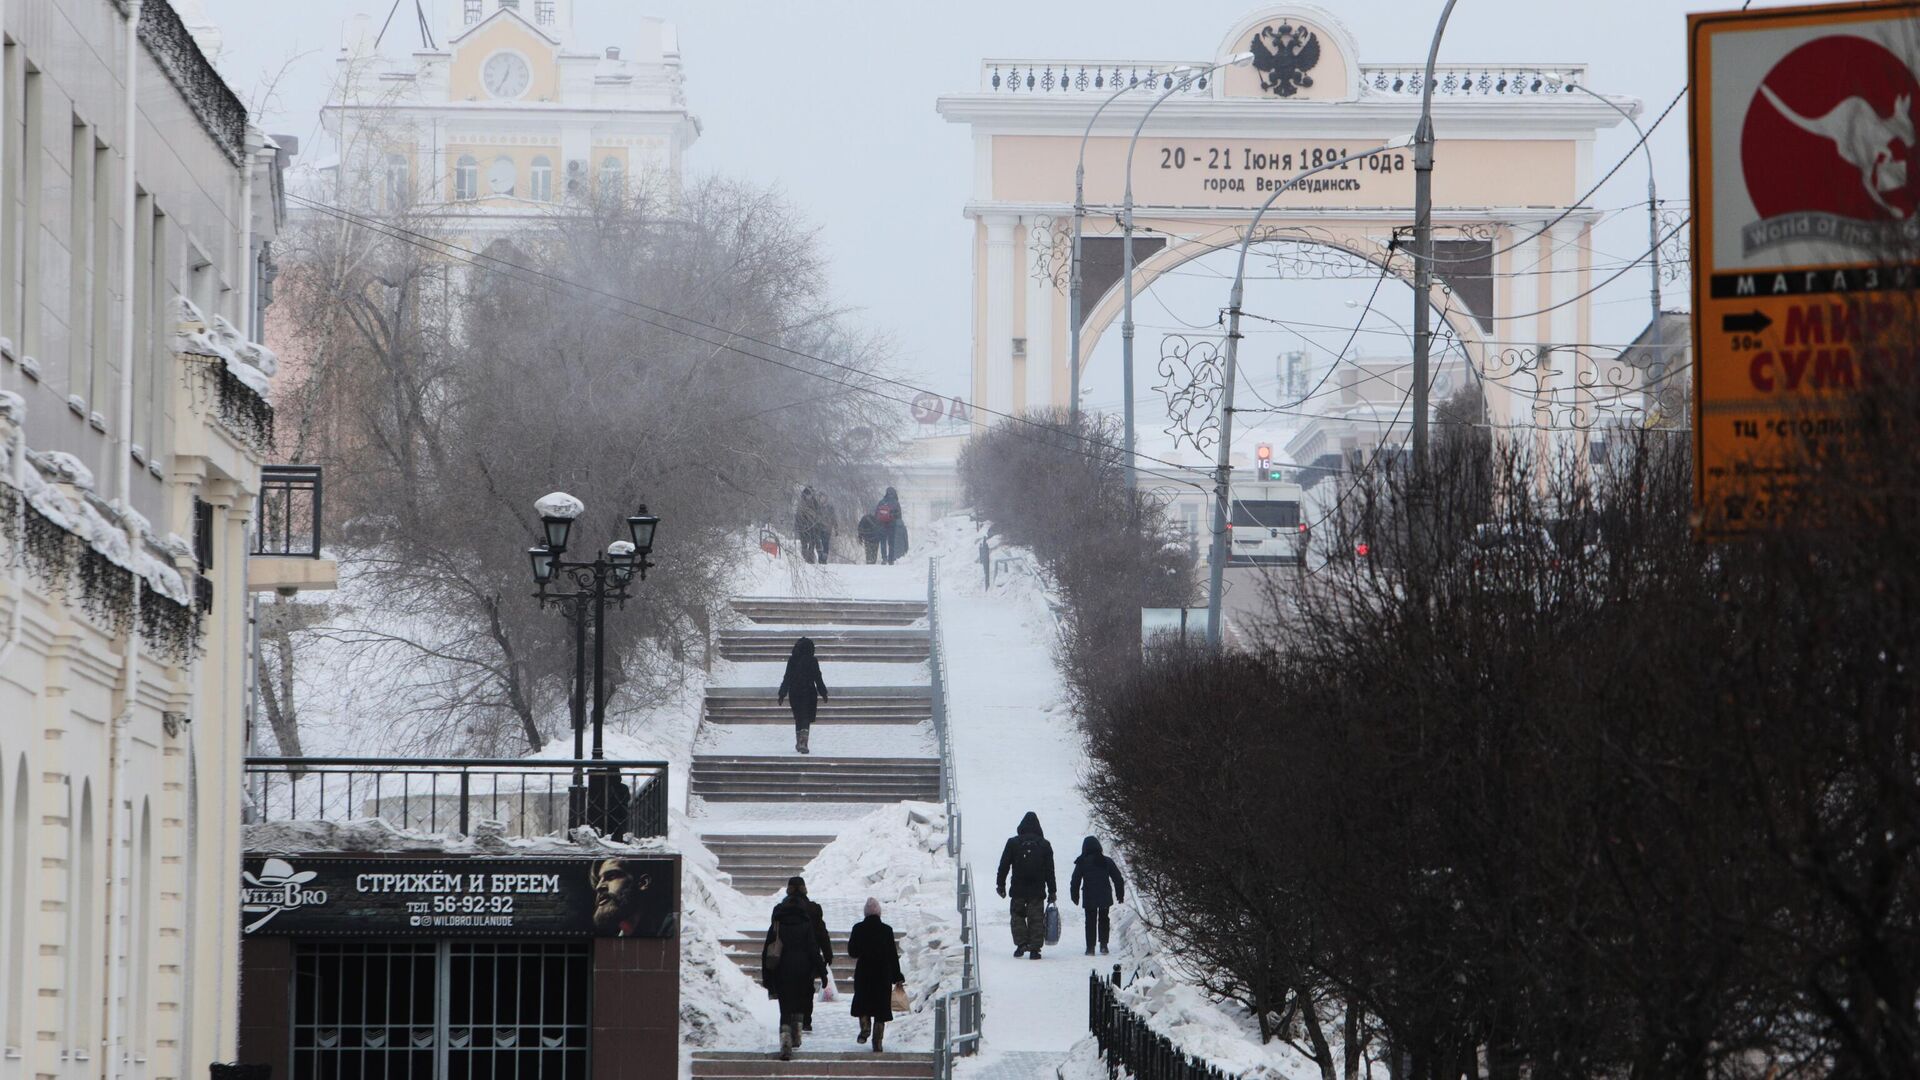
1264,532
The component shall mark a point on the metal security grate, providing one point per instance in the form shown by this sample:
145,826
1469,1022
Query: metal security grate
440,1011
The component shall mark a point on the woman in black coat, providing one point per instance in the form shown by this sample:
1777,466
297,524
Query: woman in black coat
801,685
1096,886
802,962
876,971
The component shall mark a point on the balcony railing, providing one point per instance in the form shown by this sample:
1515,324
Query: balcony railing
449,796
289,516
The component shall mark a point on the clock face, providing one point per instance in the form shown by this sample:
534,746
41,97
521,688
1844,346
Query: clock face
505,75
500,176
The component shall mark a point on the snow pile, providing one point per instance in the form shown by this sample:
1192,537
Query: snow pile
380,835
559,504
219,339
720,1005
61,487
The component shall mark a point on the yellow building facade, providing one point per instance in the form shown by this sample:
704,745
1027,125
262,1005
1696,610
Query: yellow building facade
499,117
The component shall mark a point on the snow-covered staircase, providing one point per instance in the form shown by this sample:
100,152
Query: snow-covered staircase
793,778
816,611
761,864
850,705
883,645
809,1065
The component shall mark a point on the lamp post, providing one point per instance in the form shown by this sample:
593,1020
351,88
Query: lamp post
1653,207
1074,279
1423,244
1223,469
605,578
1126,255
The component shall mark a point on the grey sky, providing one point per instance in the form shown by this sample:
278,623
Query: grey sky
832,102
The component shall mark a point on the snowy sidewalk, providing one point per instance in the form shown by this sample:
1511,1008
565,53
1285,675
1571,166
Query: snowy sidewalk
1015,749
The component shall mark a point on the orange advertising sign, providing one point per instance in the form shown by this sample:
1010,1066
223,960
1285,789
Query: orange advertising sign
1806,212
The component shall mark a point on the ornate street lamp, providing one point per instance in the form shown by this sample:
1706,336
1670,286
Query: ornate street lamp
598,800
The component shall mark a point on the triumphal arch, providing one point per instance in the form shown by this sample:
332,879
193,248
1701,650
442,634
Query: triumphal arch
1514,152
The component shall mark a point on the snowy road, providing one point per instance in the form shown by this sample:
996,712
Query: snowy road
1015,749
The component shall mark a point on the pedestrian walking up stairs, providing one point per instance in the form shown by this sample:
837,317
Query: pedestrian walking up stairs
810,1065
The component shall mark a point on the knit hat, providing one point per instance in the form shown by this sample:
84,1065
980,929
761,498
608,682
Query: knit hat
873,905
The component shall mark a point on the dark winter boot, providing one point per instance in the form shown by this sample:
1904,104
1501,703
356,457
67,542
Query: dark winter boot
1035,956
800,739
866,1029
789,1038
879,1033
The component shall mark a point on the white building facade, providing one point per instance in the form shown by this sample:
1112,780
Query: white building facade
137,205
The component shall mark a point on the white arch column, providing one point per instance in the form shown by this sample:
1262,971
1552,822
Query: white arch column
1040,298
996,352
1563,328
1520,293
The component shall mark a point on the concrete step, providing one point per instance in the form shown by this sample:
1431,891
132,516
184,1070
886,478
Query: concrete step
910,705
812,1065
801,778
800,611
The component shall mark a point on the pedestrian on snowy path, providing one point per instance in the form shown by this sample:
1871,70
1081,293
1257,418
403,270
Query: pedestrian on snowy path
876,971
869,531
806,525
1029,859
796,954
986,563
805,688
892,526
1096,886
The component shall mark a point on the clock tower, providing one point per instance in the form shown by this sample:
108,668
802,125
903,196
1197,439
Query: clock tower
502,118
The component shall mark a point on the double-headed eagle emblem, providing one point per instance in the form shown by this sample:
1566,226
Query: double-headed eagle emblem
1283,55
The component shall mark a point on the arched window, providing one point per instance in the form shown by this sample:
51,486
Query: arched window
612,175
83,953
399,181
466,177
18,892
541,179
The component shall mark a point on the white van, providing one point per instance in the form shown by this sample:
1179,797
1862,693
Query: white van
1264,532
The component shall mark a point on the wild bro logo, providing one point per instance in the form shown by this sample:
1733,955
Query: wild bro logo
1827,148
276,888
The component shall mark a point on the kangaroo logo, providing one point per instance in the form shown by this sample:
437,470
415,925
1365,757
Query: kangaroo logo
1827,153
1864,138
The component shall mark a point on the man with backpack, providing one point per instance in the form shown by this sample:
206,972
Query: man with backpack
892,527
1029,859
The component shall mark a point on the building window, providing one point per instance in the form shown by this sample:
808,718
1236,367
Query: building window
542,179
612,175
466,177
398,181
473,12
429,1010
510,5
543,12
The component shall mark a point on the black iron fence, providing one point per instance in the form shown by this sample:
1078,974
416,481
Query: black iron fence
289,518
529,798
1126,1042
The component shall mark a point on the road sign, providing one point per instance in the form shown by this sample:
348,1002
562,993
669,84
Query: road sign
1803,126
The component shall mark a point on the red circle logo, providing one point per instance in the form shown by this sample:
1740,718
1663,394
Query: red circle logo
1831,130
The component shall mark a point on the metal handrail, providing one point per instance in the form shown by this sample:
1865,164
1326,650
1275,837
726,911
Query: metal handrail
951,1040
529,796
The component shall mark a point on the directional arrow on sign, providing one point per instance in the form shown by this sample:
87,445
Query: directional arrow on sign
1751,322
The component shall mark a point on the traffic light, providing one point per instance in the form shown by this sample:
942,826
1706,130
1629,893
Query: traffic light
1264,466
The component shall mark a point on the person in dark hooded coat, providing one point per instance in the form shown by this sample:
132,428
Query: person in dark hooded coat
802,962
893,527
876,971
1028,859
1096,886
805,688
